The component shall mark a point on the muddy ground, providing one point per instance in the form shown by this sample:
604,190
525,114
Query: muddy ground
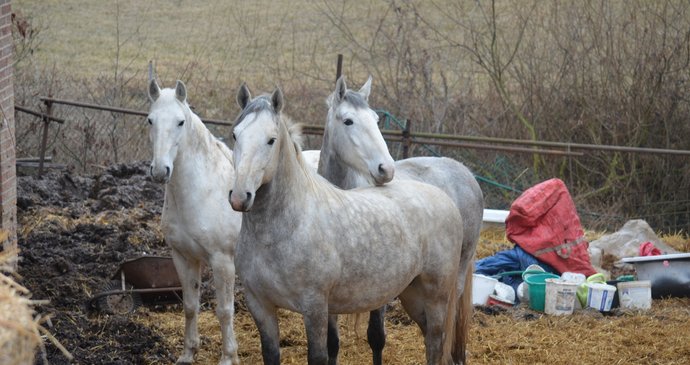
73,233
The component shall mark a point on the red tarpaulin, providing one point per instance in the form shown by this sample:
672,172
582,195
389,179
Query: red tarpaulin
543,221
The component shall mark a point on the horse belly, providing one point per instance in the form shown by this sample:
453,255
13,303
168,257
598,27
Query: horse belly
365,294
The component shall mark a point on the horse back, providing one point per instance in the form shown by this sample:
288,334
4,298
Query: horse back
455,179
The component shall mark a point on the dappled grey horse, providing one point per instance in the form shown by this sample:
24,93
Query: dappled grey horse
310,247
350,142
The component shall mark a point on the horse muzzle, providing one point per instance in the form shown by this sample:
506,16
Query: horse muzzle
241,202
384,174
160,175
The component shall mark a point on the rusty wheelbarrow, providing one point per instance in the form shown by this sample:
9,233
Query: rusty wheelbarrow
143,279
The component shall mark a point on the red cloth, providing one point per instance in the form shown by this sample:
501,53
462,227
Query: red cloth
544,222
648,249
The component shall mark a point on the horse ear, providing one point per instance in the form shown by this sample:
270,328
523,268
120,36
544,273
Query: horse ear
340,89
243,96
277,100
180,91
366,89
154,90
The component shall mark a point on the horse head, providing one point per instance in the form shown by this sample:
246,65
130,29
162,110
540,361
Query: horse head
352,137
257,132
167,116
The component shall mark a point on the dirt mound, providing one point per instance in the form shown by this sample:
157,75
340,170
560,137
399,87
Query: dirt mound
74,231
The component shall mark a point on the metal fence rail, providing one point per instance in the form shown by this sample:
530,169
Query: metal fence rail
503,179
405,136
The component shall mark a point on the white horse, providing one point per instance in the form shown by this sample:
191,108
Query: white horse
312,248
351,139
197,220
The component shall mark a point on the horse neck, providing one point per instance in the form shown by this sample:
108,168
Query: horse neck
290,189
195,152
330,166
336,171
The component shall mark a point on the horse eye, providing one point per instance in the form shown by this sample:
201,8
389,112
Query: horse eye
150,121
348,121
270,141
180,123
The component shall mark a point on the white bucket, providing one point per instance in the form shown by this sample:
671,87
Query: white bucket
600,296
482,287
574,277
635,294
560,297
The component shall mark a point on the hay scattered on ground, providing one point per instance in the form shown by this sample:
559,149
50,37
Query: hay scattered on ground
19,337
519,336
516,336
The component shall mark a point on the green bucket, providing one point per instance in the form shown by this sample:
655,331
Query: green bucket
537,289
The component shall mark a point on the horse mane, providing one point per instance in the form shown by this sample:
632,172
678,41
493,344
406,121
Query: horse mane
227,152
294,131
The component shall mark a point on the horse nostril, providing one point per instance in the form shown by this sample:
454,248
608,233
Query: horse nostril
151,170
249,196
381,169
167,171
230,195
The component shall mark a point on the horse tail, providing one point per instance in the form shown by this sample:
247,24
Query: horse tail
462,330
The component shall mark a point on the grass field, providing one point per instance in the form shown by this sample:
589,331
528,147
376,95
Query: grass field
225,40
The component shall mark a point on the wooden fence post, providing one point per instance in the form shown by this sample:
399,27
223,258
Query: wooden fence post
44,137
407,141
339,67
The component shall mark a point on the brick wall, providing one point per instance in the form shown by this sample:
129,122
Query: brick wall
8,180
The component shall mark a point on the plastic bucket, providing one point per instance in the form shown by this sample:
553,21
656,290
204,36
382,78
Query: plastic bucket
635,294
482,287
537,289
560,297
528,273
583,289
600,296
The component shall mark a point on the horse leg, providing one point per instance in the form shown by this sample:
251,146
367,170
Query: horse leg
333,340
412,301
430,316
266,319
316,324
223,268
190,276
376,334
465,308
434,311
